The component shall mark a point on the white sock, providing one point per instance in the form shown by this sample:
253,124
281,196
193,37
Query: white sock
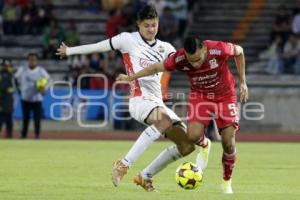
148,136
166,157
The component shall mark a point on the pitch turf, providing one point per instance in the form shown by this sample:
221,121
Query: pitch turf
81,170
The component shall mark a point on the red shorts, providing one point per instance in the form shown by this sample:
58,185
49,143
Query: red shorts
224,110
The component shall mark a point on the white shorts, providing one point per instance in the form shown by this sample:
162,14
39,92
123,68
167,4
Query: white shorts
140,107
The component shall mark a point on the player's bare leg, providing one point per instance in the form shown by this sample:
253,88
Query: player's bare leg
228,158
183,147
196,134
160,123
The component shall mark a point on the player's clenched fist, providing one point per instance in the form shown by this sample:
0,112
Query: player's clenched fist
123,77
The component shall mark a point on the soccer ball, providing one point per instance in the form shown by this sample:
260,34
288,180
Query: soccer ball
188,176
41,84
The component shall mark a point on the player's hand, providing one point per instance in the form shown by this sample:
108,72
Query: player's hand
243,92
124,78
62,50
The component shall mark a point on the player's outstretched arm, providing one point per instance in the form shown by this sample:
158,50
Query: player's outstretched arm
99,47
152,69
61,51
240,64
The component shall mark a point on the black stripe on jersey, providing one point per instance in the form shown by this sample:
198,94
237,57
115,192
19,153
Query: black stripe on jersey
154,56
148,57
156,52
110,44
149,48
170,54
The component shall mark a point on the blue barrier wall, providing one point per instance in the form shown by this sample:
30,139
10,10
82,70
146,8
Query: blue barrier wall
67,104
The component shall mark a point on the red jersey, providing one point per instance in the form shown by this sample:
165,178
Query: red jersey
213,76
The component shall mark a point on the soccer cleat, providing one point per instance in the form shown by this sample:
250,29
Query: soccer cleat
202,157
118,172
226,187
144,183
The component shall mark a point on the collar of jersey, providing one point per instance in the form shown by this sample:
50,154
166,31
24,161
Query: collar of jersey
151,45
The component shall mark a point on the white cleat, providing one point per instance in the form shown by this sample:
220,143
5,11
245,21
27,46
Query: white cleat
226,187
203,155
119,170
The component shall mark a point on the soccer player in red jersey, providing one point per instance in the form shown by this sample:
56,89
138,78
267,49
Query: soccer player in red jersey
212,94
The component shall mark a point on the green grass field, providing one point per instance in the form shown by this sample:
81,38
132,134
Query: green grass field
81,170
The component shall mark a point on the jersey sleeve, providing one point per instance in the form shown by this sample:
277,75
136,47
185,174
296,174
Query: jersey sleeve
19,72
45,74
169,62
120,41
228,49
170,49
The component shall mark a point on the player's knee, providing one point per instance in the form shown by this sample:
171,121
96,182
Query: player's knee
164,122
194,137
228,146
186,148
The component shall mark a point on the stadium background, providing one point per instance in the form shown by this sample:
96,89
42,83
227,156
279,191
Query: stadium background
249,23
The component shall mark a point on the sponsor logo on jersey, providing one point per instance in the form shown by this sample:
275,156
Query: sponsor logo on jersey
145,63
161,49
213,63
185,68
215,52
206,77
179,58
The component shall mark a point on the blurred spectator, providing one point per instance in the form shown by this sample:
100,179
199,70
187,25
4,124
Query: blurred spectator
129,15
82,81
110,5
96,63
282,24
296,19
30,18
191,4
93,6
168,26
76,62
11,18
159,5
6,97
31,96
296,24
72,35
100,82
52,38
1,6
113,23
179,10
22,3
291,52
113,64
45,13
274,56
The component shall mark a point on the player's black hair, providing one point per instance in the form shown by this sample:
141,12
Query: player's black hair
148,11
191,44
32,54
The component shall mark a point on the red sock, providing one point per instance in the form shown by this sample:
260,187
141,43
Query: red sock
228,162
202,142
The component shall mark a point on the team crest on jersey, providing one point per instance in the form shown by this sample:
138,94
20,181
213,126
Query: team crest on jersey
213,63
161,49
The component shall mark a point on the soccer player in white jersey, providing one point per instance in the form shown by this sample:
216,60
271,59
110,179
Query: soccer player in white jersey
141,49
